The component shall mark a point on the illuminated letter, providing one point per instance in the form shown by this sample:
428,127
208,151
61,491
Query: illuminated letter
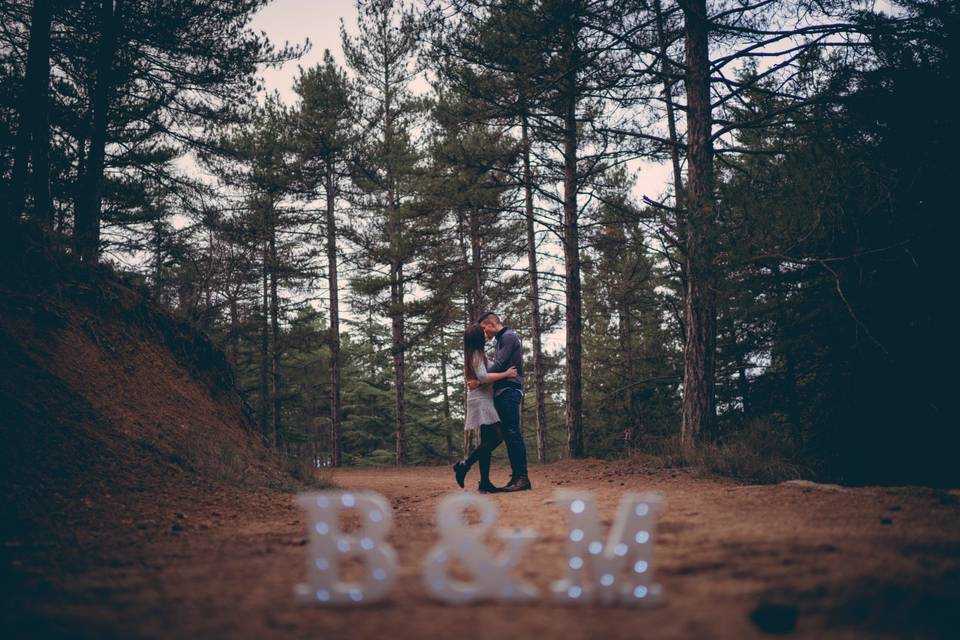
618,572
329,545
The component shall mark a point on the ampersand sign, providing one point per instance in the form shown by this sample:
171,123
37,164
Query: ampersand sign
458,539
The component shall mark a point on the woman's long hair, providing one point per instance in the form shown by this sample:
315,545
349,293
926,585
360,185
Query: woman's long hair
473,343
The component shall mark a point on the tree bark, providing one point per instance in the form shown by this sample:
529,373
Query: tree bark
158,263
700,307
33,133
397,311
678,222
626,350
477,301
399,364
571,254
470,312
42,205
264,395
275,381
87,225
335,444
671,115
444,363
534,294
397,330
743,383
234,341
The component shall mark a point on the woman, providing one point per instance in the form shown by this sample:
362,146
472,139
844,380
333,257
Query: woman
481,412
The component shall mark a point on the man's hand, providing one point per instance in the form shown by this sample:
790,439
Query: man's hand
511,372
473,384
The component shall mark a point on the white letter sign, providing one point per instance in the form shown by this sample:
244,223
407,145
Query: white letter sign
618,572
329,545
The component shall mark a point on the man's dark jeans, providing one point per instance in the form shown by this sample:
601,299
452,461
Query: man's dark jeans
508,407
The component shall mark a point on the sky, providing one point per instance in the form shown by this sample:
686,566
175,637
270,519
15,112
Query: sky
295,21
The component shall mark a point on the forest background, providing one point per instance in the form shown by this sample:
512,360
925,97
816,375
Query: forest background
771,304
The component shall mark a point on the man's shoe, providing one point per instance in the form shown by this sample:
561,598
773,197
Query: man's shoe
518,484
488,488
460,471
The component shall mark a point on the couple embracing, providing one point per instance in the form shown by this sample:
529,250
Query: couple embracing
494,393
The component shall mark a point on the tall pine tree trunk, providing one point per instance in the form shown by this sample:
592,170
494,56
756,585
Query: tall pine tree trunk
87,225
394,232
470,312
397,329
477,300
700,307
158,286
33,133
626,351
399,364
40,147
571,254
335,444
534,294
234,339
743,383
665,68
275,382
81,165
444,363
263,407
678,223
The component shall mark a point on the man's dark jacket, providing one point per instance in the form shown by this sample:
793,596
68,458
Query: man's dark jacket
507,353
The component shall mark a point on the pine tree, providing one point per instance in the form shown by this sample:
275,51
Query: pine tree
258,160
33,132
382,56
471,243
325,137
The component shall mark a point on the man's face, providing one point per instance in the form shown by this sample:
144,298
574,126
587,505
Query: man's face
490,328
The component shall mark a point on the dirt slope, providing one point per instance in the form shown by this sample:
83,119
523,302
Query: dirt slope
88,360
105,402
847,563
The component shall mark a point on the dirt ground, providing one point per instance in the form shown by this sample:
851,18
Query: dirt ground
734,560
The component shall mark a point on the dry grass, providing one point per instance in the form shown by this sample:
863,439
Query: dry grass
760,452
310,477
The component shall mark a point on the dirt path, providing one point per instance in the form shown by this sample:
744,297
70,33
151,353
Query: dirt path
869,562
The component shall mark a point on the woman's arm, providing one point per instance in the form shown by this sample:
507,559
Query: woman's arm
509,373
484,377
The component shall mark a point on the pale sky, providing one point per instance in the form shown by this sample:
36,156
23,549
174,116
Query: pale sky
297,20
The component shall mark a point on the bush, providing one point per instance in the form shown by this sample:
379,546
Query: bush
303,470
657,451
376,458
762,451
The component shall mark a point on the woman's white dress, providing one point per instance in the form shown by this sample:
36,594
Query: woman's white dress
480,407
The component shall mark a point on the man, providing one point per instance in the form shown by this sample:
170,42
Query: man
507,395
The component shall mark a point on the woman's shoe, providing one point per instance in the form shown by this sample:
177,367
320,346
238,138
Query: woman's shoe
460,470
488,487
